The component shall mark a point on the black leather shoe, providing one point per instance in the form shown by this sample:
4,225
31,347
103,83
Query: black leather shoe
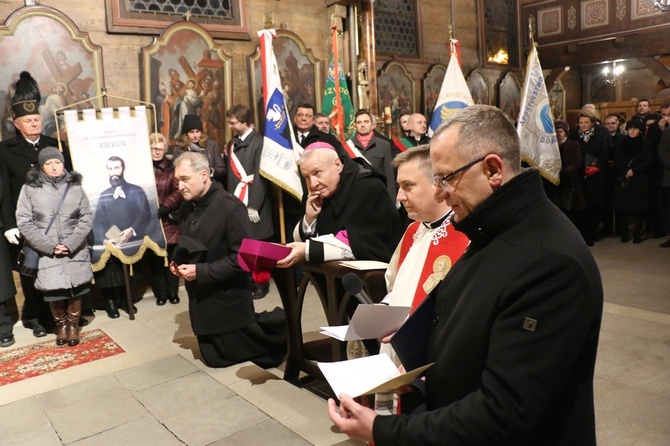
110,308
665,244
174,299
6,340
260,291
39,331
161,300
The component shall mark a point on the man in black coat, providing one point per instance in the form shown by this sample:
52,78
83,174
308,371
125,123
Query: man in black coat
8,290
220,304
347,208
18,155
514,330
243,178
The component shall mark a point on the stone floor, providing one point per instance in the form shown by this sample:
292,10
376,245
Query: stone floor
160,393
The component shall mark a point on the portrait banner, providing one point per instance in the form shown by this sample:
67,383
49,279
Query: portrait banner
112,152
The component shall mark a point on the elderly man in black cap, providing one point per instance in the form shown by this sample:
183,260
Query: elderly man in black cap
18,155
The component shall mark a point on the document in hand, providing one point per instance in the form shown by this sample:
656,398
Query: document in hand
369,322
367,375
410,341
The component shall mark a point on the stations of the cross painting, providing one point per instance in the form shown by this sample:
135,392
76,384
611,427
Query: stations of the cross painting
190,74
66,75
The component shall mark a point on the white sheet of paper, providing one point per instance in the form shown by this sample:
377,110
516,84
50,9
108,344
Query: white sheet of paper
369,322
367,375
365,265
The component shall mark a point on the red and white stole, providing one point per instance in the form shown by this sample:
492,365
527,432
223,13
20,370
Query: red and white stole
445,247
242,189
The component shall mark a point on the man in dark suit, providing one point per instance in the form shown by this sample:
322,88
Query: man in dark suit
243,178
18,155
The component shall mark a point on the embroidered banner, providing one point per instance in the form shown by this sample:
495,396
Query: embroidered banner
112,153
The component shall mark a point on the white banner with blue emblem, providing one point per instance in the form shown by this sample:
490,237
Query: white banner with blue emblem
539,147
454,95
281,151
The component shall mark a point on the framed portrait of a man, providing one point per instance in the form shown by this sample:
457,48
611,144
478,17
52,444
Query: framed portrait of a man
64,61
184,72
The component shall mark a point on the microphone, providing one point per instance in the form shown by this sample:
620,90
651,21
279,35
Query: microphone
354,286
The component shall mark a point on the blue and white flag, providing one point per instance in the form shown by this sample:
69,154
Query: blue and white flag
454,94
281,151
539,147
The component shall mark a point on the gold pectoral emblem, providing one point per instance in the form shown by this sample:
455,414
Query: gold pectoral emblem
441,267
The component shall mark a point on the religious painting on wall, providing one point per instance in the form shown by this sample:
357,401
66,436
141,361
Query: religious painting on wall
395,89
185,73
479,88
557,101
299,71
432,83
223,19
509,96
65,63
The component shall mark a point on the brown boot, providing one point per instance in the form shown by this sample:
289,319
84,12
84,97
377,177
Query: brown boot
73,314
58,313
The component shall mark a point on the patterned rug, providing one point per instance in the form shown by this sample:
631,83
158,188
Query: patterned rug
45,357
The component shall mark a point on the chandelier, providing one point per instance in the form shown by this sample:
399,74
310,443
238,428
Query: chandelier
663,5
615,76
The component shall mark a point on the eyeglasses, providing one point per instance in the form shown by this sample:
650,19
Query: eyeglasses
445,180
303,115
157,149
233,122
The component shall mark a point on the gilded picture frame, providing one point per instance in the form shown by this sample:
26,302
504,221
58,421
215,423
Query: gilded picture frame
479,87
185,72
432,83
509,96
395,90
299,70
64,61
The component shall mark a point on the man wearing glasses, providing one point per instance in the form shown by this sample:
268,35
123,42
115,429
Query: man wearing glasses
243,178
306,131
515,328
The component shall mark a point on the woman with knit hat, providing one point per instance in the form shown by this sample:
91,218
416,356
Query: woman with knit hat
193,140
54,217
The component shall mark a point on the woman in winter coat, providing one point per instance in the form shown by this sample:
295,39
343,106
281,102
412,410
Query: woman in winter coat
594,155
633,160
193,140
64,272
165,284
568,195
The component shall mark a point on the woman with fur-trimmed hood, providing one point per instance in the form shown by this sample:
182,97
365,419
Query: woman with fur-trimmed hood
64,272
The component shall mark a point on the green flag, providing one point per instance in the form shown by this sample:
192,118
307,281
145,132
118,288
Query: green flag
338,107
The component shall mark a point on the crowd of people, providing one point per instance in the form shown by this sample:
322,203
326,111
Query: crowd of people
516,293
616,174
